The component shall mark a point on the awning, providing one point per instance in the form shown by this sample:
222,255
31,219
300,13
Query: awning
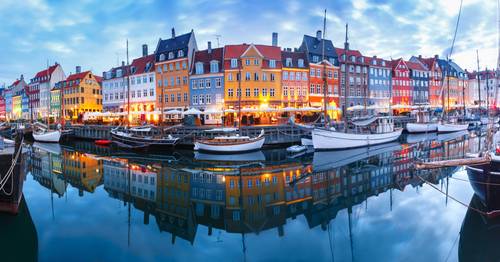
173,112
192,111
365,122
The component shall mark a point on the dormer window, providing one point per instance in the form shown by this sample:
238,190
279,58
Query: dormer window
331,60
132,69
362,59
162,57
272,63
180,53
288,62
170,55
199,68
315,58
383,63
118,73
214,66
301,62
353,59
234,63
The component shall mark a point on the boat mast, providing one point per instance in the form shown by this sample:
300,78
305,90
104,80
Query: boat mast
325,101
448,89
463,95
487,93
128,89
478,80
48,106
346,47
238,93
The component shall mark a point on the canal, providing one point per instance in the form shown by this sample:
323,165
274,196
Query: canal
90,203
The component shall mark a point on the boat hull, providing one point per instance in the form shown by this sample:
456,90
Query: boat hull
448,128
306,141
48,137
331,140
251,145
485,181
421,127
132,141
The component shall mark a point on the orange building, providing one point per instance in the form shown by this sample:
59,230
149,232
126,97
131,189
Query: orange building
294,78
316,86
173,61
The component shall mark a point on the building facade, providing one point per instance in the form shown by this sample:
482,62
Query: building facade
143,89
379,84
357,76
419,77
435,77
55,102
402,91
259,67
114,89
207,82
295,79
39,89
455,84
173,58
81,93
483,90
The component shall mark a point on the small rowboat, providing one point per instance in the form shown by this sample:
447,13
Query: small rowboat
103,142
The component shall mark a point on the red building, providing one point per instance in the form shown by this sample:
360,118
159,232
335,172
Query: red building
402,96
435,79
316,85
2,108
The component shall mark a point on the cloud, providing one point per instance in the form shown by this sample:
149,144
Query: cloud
58,47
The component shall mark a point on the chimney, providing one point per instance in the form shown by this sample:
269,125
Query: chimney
419,56
123,63
22,76
209,44
78,69
144,50
275,39
173,32
374,57
295,49
436,56
318,35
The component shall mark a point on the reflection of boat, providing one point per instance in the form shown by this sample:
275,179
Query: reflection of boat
420,137
326,160
230,143
479,235
51,148
249,156
18,240
451,136
423,124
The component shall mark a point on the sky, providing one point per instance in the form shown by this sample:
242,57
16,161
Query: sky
93,34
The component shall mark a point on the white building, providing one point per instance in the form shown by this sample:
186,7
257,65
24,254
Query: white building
40,86
143,88
489,85
114,88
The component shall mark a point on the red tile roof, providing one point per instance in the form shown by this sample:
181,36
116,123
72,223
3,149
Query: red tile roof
16,82
369,60
99,78
340,53
204,57
77,76
43,73
140,64
415,66
269,53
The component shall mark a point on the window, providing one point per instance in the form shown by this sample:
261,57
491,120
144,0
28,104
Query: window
256,61
218,82
247,62
199,68
170,55
272,63
256,92
256,76
208,83
184,65
304,76
234,63
285,75
177,66
162,58
318,72
315,59
301,62
194,84
172,98
272,77
264,91
214,67
195,100
208,99
201,84
288,62
247,92
292,75
230,92
180,53
272,92
247,76
313,72
230,77
264,77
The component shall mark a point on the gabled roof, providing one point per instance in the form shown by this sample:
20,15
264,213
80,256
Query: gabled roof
450,67
340,52
378,61
42,75
268,53
113,70
143,64
314,46
396,62
77,76
415,66
483,74
295,56
205,57
98,79
174,44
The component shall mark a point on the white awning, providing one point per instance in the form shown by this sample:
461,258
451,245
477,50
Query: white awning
356,107
173,112
192,111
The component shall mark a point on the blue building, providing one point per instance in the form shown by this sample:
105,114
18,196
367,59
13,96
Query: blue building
455,81
208,194
206,84
379,83
313,47
25,108
419,75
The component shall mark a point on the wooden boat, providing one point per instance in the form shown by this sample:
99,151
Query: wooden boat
230,143
485,181
11,175
46,136
103,142
422,125
133,139
377,130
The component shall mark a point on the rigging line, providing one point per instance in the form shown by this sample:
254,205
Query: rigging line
456,29
454,243
453,198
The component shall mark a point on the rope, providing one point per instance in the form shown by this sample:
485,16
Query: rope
475,181
453,198
9,173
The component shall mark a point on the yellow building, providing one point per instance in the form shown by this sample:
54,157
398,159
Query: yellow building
16,107
82,171
82,93
260,70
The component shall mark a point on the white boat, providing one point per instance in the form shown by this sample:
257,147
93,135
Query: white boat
306,141
296,149
379,130
448,128
233,143
47,136
421,127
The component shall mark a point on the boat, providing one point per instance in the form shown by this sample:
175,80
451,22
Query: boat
485,181
46,136
449,127
377,130
243,157
422,125
130,138
306,141
230,143
296,149
103,142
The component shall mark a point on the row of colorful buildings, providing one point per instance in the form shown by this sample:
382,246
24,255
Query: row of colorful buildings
267,78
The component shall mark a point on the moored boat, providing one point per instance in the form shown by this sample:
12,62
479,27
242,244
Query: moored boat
132,139
374,131
47,136
230,143
448,127
103,142
421,127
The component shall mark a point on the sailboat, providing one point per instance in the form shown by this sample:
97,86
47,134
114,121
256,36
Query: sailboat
367,132
232,143
42,133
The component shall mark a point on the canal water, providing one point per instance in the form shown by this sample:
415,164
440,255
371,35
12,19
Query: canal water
90,203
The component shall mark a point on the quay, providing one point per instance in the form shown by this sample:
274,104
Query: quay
275,134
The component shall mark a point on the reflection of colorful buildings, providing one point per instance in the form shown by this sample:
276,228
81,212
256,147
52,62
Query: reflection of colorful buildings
82,171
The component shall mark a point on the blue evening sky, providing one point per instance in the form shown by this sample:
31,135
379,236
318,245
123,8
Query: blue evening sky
93,33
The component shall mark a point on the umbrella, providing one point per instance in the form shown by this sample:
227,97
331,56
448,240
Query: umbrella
192,111
289,109
229,111
249,110
211,111
173,112
356,107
